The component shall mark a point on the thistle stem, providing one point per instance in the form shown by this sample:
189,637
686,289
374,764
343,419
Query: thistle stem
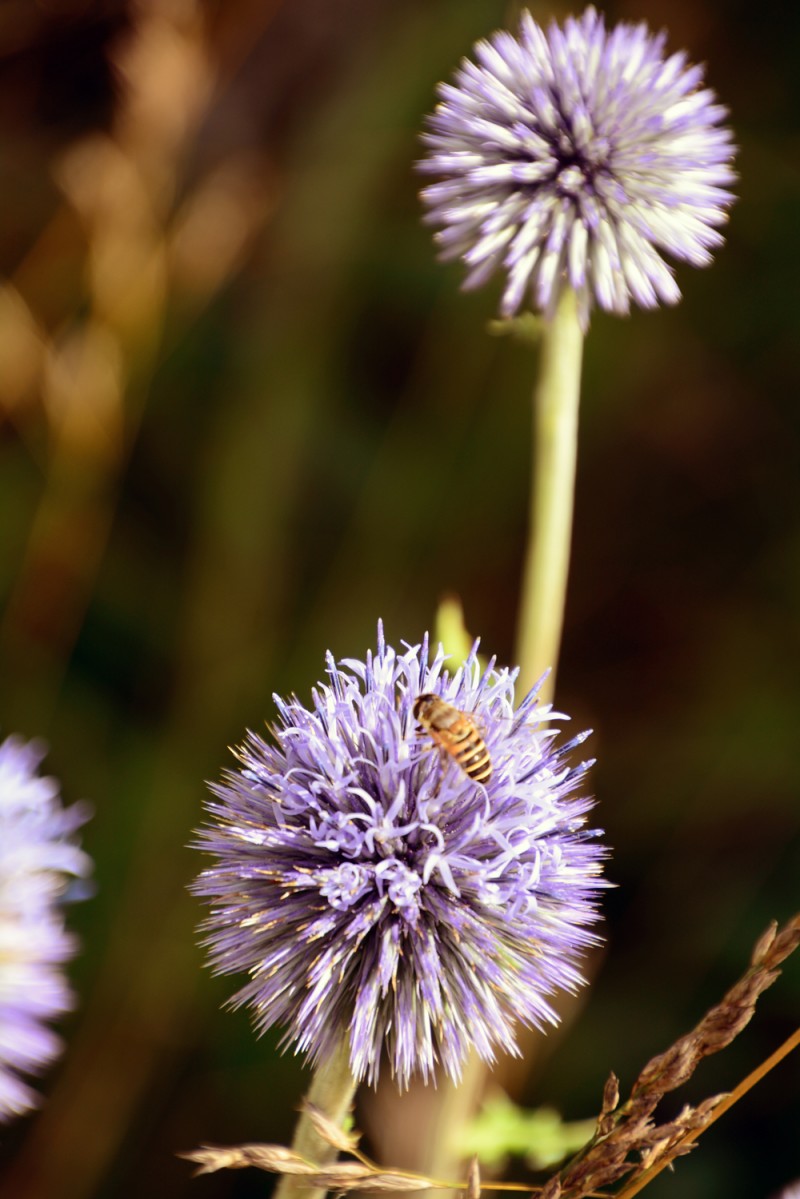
332,1090
555,436
555,444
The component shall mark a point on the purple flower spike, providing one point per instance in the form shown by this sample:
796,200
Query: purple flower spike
575,157
37,856
372,890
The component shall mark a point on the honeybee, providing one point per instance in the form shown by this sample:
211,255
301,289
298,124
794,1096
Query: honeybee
456,733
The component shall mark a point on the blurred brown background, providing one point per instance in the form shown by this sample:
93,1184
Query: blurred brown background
243,413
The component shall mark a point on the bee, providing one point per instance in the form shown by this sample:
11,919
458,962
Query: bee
456,733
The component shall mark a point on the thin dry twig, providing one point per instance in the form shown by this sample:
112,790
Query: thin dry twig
474,1180
719,1109
627,1141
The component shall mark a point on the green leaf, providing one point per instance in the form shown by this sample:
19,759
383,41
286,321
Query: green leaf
501,1130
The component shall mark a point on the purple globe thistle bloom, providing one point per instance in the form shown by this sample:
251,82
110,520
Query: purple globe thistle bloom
37,856
373,891
575,157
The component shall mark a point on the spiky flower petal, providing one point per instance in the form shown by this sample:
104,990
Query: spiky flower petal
373,891
38,855
576,156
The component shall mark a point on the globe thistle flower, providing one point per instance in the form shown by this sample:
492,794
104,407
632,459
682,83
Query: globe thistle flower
376,893
37,855
576,157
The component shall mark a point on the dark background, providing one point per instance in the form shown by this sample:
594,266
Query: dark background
243,413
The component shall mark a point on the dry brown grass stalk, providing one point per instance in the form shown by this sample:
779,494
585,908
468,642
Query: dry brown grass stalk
627,1143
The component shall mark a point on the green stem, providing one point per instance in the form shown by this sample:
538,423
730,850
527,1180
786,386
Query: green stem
542,606
555,444
332,1090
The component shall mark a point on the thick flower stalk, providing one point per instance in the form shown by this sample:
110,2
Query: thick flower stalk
380,897
38,856
578,157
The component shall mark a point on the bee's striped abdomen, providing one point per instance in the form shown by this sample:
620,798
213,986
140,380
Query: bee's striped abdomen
456,733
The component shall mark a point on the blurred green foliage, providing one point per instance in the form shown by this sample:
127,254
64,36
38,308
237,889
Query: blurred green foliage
540,1136
243,414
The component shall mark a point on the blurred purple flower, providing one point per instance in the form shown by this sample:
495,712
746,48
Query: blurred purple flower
575,157
37,856
372,890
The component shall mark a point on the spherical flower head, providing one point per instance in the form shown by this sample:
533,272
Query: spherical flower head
38,855
373,891
575,157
